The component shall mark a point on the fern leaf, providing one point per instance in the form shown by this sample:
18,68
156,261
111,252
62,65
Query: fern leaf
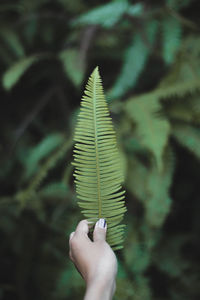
134,62
179,89
98,173
153,131
151,187
158,200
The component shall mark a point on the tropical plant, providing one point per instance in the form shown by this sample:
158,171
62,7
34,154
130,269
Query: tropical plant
149,53
98,170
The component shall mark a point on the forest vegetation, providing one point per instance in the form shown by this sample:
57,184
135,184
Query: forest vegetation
148,53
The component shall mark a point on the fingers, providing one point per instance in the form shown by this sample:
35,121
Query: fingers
83,227
81,233
71,235
70,255
99,233
79,239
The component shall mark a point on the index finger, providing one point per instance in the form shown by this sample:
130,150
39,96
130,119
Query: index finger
82,227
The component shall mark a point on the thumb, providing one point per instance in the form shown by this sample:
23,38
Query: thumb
99,233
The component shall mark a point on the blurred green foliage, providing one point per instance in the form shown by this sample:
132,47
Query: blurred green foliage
149,57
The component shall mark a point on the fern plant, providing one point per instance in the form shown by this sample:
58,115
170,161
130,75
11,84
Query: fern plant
98,173
135,58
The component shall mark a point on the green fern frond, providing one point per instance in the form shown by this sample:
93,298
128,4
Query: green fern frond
134,62
153,131
98,173
151,187
158,200
179,89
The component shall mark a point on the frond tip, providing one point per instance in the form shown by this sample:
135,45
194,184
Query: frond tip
98,172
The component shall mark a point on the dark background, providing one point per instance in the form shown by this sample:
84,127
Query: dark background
148,53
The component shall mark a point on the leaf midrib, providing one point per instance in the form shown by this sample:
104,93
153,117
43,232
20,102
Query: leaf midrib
96,146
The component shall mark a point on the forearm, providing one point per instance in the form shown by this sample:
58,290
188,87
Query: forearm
100,290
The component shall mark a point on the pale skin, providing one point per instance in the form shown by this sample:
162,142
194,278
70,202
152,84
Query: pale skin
95,261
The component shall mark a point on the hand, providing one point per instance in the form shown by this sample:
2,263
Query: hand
95,260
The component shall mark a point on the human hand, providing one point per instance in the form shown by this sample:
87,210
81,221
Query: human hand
95,260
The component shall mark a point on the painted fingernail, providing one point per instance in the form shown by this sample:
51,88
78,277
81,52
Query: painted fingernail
101,223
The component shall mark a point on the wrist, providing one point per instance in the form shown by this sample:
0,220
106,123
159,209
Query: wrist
100,289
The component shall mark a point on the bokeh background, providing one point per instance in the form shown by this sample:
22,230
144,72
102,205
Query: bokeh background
148,53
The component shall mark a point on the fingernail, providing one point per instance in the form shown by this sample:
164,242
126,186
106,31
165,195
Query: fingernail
101,223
